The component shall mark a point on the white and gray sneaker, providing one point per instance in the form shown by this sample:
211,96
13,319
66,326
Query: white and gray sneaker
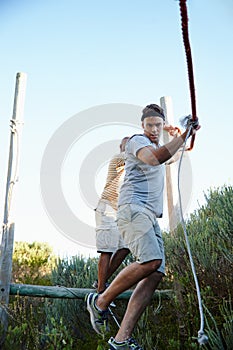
99,319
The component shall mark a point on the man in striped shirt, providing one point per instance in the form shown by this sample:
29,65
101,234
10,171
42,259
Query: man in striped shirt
109,242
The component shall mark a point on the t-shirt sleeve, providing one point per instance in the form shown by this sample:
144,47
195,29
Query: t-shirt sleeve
136,143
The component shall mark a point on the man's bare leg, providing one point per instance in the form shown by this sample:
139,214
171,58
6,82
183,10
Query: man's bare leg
127,278
103,267
138,302
108,264
116,259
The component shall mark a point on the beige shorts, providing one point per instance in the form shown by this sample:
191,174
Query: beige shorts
141,233
108,238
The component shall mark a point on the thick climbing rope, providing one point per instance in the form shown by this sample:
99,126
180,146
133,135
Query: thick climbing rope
202,338
185,33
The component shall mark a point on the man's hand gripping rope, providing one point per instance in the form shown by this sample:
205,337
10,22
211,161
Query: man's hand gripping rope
191,124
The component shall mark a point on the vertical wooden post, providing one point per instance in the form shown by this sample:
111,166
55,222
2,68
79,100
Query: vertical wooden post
16,122
171,173
5,276
6,249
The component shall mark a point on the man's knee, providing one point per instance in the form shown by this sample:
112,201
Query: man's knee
153,265
156,264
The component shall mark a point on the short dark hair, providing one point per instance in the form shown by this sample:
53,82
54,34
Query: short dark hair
152,110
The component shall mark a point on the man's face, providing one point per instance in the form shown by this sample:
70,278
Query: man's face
153,127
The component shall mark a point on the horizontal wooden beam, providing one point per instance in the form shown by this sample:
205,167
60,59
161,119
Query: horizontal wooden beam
69,293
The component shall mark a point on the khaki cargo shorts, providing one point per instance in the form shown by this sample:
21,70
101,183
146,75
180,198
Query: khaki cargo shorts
141,233
108,238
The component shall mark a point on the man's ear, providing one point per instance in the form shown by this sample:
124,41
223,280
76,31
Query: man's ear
143,124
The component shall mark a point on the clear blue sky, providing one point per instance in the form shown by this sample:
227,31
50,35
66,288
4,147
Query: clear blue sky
81,54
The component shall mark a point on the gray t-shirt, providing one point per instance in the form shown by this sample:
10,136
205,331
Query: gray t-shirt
143,183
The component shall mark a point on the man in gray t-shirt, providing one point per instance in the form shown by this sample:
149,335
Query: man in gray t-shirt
143,183
140,204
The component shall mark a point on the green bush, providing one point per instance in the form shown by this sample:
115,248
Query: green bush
76,272
210,234
32,263
23,331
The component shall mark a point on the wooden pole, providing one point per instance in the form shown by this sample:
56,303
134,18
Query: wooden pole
5,276
171,173
16,123
6,249
62,292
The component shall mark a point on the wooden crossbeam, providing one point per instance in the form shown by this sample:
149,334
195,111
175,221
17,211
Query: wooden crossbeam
70,293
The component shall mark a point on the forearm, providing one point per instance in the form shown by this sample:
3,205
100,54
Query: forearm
152,156
166,152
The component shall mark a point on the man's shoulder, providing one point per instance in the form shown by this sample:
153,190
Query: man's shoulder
136,135
135,143
139,139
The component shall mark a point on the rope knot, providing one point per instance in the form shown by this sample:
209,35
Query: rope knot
13,125
202,338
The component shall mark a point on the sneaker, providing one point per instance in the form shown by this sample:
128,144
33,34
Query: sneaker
99,319
129,344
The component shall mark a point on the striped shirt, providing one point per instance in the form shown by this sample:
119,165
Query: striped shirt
114,179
